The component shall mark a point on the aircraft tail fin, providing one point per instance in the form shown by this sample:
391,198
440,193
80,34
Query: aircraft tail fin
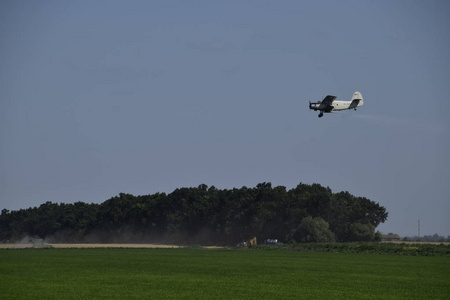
357,99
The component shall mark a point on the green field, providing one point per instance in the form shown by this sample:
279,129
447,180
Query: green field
218,274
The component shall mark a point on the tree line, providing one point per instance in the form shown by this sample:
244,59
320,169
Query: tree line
204,215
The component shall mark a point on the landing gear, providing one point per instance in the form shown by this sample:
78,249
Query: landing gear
321,114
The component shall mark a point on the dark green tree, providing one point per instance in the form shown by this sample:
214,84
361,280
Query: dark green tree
204,215
312,230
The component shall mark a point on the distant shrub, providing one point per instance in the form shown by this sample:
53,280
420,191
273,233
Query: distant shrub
404,249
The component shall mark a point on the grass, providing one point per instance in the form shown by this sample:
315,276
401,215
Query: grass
218,274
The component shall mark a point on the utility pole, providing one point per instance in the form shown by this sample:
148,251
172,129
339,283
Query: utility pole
418,226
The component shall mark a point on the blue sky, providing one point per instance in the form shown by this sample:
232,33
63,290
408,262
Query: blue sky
103,97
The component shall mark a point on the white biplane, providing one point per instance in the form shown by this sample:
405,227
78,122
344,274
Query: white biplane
329,104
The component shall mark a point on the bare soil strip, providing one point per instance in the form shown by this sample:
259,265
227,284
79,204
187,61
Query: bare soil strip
19,246
114,246
80,246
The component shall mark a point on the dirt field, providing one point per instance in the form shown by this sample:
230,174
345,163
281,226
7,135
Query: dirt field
20,246
62,246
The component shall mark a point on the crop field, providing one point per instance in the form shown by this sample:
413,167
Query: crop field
189,273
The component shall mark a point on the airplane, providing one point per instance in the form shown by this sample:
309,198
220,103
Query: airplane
329,104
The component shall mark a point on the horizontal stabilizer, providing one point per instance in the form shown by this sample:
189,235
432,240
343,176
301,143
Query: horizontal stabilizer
354,104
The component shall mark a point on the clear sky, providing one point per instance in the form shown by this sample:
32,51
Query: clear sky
103,97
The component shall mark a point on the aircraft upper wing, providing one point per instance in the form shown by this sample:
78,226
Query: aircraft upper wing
326,101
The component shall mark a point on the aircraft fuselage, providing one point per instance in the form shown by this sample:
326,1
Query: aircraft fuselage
337,105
